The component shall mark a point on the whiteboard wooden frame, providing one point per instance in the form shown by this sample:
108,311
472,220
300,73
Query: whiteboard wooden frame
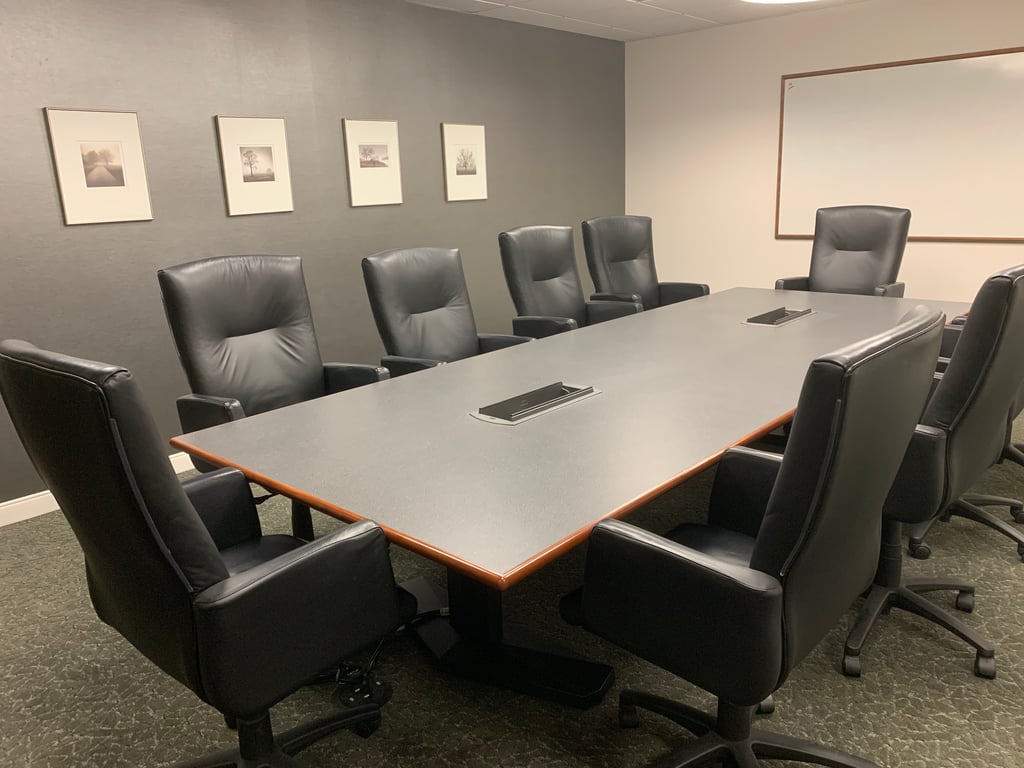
784,231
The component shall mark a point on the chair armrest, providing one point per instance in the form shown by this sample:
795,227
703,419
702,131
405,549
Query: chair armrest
744,480
950,337
890,289
919,491
489,342
539,326
197,412
341,376
716,624
793,283
633,298
224,503
673,293
602,311
264,632
398,365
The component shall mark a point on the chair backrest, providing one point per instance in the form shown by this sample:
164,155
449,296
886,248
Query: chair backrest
821,531
620,256
980,384
421,304
857,247
93,442
244,329
540,269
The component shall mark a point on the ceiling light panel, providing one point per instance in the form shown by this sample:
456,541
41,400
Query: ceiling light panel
466,6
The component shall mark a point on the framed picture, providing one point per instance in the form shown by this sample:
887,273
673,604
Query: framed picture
254,159
97,155
374,164
465,161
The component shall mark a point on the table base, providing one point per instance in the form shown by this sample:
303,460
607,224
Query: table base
468,643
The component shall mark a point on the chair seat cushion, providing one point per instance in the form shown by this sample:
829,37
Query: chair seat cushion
246,555
719,543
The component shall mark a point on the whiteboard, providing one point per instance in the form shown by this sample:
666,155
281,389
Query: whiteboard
943,137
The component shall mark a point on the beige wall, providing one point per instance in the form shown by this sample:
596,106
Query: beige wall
702,122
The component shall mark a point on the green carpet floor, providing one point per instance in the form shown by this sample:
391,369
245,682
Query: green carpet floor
73,693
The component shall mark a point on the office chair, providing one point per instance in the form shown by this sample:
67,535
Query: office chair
791,541
182,570
540,270
973,403
620,257
244,332
960,435
857,249
421,306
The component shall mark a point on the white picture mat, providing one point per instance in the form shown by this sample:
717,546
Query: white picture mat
373,185
243,197
69,129
456,137
942,138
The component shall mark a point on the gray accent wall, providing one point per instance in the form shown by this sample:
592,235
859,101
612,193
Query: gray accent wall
552,104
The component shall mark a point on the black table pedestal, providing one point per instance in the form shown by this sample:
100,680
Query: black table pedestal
468,643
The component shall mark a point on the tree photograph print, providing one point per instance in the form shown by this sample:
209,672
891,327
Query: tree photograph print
257,163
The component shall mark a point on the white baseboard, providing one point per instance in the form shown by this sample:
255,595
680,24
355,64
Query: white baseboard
36,504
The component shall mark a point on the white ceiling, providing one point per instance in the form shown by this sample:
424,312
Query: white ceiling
627,19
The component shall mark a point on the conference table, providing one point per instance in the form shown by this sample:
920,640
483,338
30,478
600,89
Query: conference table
676,386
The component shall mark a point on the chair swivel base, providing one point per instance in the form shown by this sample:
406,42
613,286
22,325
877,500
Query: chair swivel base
1016,506
729,739
963,507
907,596
259,748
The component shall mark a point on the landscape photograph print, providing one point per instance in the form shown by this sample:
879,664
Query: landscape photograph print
102,164
254,165
373,155
373,160
464,156
257,163
99,165
465,162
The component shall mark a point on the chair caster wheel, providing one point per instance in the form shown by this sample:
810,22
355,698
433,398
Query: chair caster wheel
629,717
1017,513
919,551
964,601
766,707
851,665
1020,551
985,666
367,728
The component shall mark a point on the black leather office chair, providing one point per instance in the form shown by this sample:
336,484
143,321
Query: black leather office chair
960,435
244,333
540,270
182,570
421,306
620,257
1011,451
791,541
972,404
857,249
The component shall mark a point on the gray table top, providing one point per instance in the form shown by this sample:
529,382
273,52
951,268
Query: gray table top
679,385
